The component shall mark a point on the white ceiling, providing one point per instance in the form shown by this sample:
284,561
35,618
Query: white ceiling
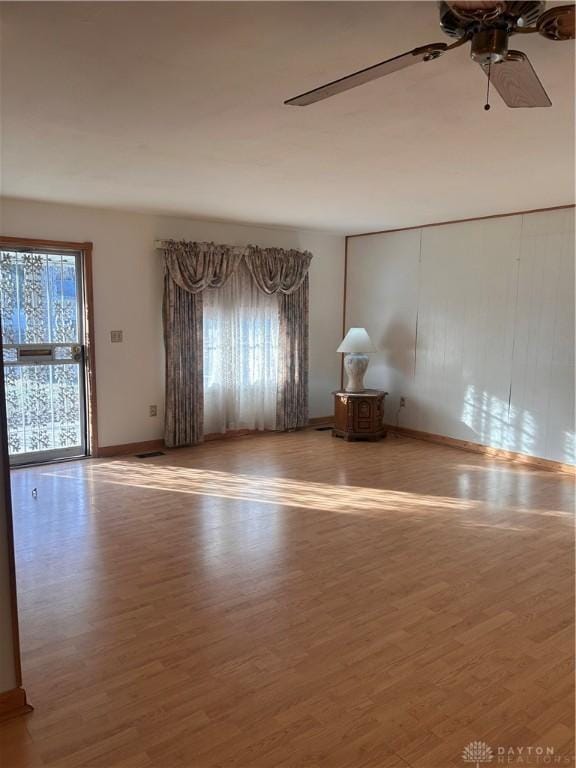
177,108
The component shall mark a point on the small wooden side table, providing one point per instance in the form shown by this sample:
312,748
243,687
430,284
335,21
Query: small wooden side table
359,415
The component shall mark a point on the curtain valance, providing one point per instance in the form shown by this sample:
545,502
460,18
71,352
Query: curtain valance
275,270
197,266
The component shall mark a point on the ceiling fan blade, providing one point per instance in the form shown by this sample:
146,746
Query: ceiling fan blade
517,82
424,53
558,23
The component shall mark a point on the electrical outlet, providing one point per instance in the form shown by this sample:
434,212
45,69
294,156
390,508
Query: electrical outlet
152,410
115,337
402,402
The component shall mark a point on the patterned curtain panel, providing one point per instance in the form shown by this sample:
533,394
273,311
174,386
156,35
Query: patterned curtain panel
292,407
183,415
286,273
190,269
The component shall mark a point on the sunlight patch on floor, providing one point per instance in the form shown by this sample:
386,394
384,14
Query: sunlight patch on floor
283,492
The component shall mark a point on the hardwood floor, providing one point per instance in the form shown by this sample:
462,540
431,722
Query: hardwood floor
293,601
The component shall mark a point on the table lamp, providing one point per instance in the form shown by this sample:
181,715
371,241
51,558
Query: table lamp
356,344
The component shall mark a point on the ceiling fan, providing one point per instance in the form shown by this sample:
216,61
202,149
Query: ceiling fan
487,25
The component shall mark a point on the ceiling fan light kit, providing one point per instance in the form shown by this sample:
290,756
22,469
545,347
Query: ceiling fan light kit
488,26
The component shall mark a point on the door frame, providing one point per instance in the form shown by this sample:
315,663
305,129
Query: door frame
85,250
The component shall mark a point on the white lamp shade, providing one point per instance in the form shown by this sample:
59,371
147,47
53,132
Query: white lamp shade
357,341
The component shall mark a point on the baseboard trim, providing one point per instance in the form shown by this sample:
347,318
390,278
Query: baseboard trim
320,420
317,420
495,453
13,703
105,451
231,434
108,451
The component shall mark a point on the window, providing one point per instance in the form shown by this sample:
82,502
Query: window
240,325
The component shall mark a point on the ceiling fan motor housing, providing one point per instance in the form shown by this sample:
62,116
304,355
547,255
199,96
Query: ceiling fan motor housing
488,24
459,18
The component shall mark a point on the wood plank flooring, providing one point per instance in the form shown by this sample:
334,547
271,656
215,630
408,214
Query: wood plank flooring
293,601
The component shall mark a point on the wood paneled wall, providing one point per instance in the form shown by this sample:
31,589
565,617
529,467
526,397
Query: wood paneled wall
475,326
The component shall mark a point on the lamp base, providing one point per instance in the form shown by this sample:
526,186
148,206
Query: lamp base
355,366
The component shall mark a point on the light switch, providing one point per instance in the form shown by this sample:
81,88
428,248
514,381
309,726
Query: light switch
115,337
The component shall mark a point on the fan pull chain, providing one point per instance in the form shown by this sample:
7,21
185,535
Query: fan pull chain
487,105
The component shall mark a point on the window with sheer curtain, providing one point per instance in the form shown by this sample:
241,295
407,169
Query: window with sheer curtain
241,335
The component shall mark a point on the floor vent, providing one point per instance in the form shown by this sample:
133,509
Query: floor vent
149,454
323,429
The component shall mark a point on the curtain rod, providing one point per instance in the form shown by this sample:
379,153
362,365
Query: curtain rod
160,244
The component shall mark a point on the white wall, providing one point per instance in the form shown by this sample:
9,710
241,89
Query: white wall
475,323
128,296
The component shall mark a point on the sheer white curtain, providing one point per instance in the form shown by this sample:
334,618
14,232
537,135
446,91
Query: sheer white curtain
241,333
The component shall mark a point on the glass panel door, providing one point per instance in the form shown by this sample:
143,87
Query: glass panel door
43,354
